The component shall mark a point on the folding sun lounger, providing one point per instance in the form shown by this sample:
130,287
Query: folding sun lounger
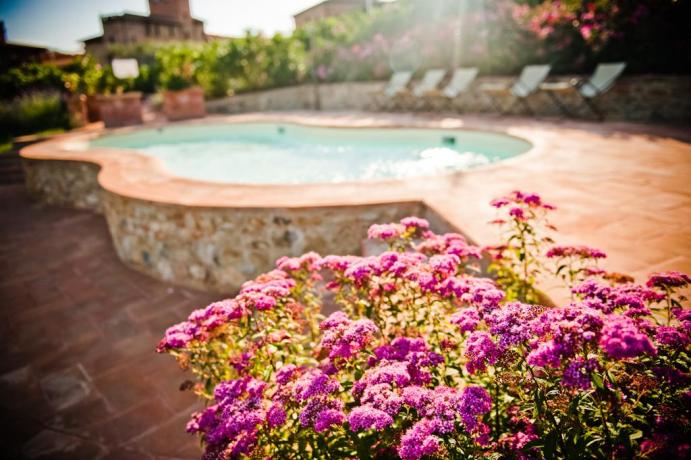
460,82
428,85
527,83
599,83
398,84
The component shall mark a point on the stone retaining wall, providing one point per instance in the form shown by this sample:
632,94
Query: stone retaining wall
65,183
657,98
218,249
213,249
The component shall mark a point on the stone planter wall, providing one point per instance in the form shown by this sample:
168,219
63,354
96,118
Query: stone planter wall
657,98
66,183
184,104
119,110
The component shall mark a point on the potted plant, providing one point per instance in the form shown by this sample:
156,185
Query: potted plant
80,79
120,108
182,97
116,105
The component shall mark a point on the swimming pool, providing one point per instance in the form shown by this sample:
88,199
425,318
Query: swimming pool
274,153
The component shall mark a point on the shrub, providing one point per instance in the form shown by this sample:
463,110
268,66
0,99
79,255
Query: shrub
427,359
179,66
31,113
29,78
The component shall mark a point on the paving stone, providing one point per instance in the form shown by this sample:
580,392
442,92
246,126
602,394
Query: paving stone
65,320
57,445
67,388
141,420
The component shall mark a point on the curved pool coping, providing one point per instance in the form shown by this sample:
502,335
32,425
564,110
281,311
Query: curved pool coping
131,174
617,184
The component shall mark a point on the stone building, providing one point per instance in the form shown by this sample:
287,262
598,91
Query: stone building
168,21
330,8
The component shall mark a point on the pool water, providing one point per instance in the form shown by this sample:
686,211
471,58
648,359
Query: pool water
267,153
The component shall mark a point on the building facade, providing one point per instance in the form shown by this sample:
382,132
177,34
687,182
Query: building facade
326,9
331,8
168,21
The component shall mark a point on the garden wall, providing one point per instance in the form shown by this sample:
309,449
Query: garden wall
213,249
656,98
65,183
218,249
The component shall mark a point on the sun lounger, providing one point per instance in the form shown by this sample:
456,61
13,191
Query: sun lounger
460,82
599,83
527,83
429,83
427,87
398,84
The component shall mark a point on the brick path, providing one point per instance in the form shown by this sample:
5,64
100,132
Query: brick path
79,378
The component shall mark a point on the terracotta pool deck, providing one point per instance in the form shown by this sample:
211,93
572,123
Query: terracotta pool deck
78,375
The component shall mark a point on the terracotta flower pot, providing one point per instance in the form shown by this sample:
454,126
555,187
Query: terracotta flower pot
121,109
93,109
184,103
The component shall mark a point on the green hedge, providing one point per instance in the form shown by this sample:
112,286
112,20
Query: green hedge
32,113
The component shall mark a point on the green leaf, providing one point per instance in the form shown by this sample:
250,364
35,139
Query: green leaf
597,381
636,435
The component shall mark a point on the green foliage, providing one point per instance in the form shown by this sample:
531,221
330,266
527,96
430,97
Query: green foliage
31,113
30,77
5,145
83,76
178,66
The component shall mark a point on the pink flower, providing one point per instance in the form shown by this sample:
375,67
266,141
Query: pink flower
586,31
517,213
367,417
480,351
345,338
671,279
322,72
419,441
583,252
467,319
621,339
414,223
385,231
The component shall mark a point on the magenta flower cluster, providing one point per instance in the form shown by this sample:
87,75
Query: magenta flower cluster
425,358
582,252
344,338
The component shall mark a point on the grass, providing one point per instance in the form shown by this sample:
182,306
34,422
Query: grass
5,146
47,132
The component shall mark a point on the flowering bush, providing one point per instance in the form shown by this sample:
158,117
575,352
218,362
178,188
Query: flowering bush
422,357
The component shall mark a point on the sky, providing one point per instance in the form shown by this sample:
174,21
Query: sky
61,24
